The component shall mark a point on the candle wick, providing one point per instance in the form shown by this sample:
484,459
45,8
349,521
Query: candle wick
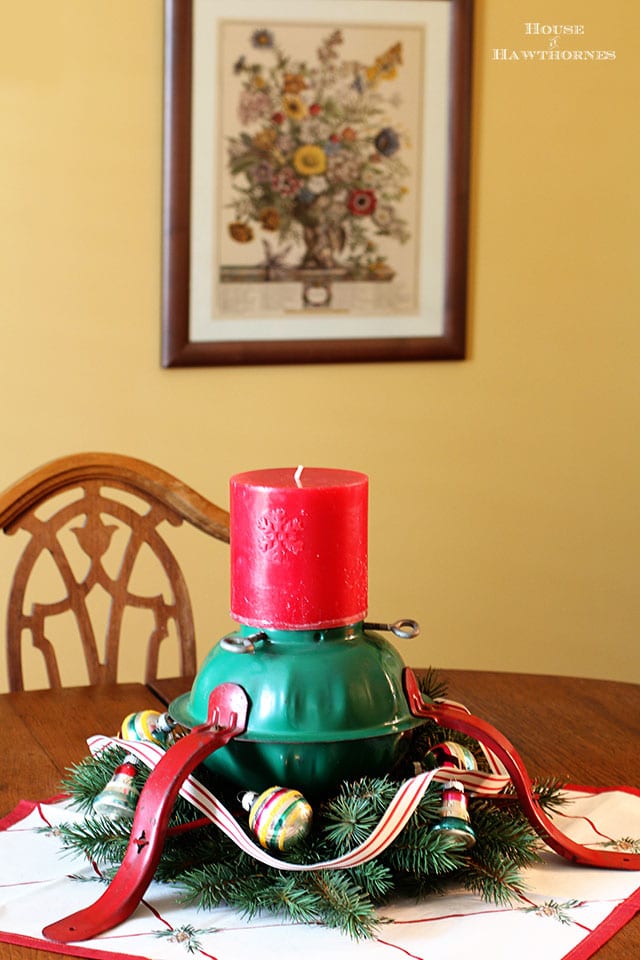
297,475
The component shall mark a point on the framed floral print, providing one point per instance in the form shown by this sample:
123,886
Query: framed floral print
316,170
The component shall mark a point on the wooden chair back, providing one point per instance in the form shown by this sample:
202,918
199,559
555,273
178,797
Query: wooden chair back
89,504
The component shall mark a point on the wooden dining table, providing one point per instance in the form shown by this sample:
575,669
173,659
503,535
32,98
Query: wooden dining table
584,731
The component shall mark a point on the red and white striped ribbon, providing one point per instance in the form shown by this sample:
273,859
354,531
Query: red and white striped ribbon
476,782
392,822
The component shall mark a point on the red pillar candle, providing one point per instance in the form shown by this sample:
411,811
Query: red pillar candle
299,547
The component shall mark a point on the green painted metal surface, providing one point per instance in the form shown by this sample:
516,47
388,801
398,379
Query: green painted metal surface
326,705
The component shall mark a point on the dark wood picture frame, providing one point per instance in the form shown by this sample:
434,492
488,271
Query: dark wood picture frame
178,349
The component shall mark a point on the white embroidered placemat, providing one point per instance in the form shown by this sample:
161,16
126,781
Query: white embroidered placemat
567,914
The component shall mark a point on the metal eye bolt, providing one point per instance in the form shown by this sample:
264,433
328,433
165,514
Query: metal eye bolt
406,628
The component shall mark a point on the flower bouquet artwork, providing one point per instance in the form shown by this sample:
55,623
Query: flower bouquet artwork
320,155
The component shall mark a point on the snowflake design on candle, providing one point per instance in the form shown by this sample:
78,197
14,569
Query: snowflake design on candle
279,534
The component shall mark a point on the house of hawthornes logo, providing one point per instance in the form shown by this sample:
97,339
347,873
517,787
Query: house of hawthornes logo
555,42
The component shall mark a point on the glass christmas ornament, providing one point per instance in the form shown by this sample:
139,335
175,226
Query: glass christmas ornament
452,754
280,818
454,816
119,797
149,725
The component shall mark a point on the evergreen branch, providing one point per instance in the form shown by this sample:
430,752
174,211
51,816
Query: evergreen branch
421,886
344,905
422,853
284,894
349,822
502,834
499,883
99,839
85,780
376,880
182,853
213,884
330,897
547,791
349,818
432,685
429,807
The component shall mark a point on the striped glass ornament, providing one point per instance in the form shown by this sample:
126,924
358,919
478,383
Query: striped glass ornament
454,816
452,754
148,725
279,817
120,795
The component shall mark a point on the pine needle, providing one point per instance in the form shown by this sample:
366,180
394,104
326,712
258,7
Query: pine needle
432,685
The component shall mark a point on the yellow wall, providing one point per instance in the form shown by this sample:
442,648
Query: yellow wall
504,489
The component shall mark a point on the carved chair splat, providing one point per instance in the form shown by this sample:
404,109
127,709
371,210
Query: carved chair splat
95,523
